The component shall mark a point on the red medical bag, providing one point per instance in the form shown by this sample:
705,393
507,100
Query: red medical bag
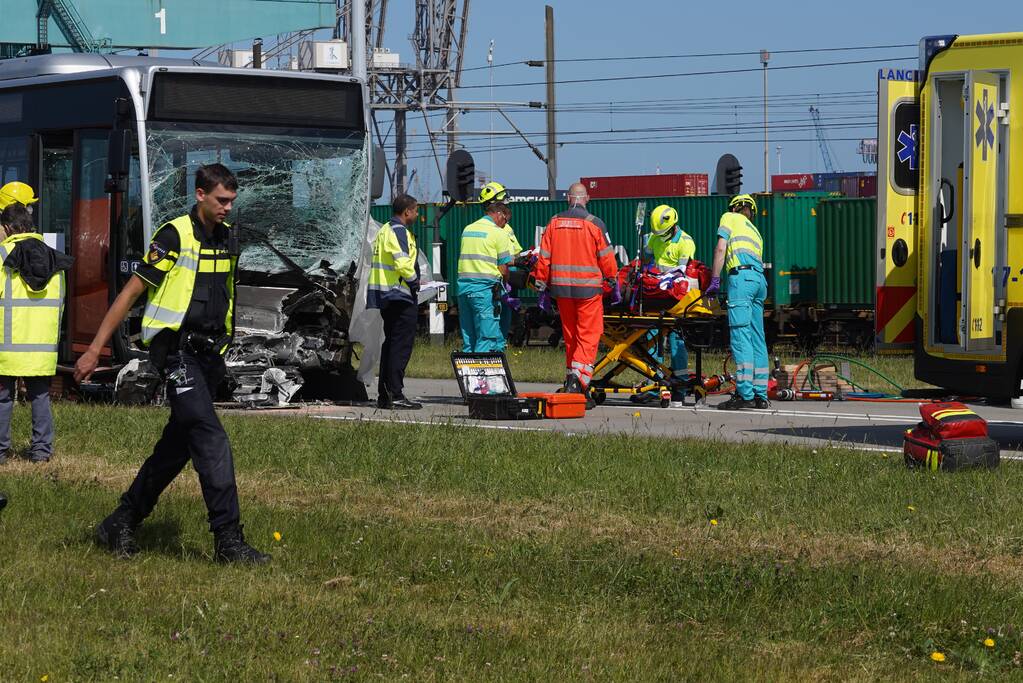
950,437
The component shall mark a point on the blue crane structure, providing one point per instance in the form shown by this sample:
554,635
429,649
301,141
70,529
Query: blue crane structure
822,141
104,25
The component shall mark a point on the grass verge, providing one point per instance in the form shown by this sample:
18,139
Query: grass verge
447,553
547,364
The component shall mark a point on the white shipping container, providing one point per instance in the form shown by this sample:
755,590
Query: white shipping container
326,55
239,59
383,58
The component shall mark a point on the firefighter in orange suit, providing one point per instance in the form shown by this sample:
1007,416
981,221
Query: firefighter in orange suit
575,258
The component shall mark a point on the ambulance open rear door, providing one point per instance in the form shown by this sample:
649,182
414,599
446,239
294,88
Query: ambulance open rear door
898,178
980,210
967,283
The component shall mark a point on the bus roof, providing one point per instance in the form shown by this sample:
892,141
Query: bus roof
78,63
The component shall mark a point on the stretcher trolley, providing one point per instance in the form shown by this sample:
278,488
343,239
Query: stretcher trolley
636,333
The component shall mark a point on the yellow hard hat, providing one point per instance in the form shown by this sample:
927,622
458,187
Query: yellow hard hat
663,219
17,192
740,199
493,192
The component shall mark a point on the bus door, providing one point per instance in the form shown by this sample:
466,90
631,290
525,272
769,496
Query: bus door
54,161
898,178
980,209
98,275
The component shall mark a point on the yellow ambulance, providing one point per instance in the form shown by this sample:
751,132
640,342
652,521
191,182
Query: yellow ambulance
950,214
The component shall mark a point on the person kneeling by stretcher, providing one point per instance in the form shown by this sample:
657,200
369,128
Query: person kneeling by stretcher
669,247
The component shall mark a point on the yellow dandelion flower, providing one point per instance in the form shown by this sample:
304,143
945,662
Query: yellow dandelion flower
277,535
937,656
713,522
44,678
989,642
636,414
911,508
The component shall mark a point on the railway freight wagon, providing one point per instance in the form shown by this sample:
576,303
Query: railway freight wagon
844,314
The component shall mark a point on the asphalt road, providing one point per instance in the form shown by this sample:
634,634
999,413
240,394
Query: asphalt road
860,425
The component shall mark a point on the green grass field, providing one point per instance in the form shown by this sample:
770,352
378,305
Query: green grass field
547,364
446,553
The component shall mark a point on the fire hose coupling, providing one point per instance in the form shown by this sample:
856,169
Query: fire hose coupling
795,395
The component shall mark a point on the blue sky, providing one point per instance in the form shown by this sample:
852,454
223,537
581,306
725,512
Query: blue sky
663,27
695,119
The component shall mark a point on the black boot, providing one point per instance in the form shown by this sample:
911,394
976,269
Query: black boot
574,386
735,403
761,403
229,546
116,533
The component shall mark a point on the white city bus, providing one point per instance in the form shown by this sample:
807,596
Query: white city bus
111,145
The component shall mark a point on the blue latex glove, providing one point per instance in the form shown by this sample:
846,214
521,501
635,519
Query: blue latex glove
544,301
512,302
616,293
713,288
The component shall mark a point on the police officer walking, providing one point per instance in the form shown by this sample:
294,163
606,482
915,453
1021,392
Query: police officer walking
32,289
394,289
740,248
188,275
482,271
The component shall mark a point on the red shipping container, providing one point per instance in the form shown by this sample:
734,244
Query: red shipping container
868,186
666,185
792,182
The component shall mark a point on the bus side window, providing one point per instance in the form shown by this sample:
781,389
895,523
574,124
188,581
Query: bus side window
14,159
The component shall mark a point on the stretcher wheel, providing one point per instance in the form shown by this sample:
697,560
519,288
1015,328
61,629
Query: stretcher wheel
665,402
599,397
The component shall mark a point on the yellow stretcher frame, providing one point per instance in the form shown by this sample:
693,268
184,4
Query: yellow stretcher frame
627,339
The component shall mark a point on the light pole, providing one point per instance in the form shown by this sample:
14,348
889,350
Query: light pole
777,151
490,68
765,56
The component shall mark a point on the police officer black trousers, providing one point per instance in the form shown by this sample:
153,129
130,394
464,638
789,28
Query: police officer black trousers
400,319
194,433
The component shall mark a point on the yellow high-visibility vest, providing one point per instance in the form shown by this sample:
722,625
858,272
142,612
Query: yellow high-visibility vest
31,319
744,239
168,303
484,247
392,268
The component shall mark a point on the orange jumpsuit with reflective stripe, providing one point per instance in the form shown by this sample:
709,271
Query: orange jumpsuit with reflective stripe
575,257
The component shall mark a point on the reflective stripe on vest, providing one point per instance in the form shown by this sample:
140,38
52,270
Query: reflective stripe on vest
31,326
745,239
168,305
384,281
483,245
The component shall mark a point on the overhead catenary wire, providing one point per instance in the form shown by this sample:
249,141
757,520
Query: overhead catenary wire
699,55
711,72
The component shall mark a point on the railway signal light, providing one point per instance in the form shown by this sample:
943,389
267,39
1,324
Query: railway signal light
728,176
461,175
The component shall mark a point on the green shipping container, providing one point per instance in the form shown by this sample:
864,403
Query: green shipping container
845,252
788,224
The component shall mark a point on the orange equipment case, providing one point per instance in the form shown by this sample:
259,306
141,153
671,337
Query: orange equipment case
559,406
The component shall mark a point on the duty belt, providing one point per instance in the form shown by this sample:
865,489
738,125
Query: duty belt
735,271
199,343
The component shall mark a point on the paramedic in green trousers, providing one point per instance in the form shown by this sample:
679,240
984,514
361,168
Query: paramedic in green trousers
740,249
482,272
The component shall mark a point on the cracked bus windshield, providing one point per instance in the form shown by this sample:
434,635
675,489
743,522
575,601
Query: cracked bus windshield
304,191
